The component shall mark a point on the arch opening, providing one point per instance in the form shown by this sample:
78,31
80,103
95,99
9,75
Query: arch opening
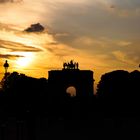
71,91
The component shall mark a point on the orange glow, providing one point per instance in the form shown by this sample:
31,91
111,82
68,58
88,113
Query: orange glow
24,61
99,47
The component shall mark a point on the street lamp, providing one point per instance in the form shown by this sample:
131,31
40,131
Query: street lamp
6,65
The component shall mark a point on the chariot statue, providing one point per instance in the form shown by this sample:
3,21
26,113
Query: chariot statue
71,65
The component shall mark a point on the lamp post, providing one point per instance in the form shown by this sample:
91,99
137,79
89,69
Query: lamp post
6,65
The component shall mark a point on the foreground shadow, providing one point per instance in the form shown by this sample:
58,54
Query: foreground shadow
30,109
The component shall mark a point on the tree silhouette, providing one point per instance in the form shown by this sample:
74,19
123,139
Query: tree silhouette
113,85
120,89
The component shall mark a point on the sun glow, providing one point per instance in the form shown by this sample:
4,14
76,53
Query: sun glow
24,61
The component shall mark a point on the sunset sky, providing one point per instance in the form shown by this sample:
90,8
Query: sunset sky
102,35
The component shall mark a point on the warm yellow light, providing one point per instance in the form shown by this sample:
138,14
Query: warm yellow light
25,60
22,62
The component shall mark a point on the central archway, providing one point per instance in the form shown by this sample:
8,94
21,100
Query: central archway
71,91
73,81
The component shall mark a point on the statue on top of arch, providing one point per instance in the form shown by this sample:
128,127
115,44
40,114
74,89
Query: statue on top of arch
71,65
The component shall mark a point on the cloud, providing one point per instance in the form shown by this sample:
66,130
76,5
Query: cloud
15,46
12,1
99,44
130,58
124,43
53,43
123,53
97,33
95,19
8,56
35,28
125,8
126,4
2,1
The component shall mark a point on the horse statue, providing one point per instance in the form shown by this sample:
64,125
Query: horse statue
70,65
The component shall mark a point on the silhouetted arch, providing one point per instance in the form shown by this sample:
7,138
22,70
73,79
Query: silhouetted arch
60,80
71,90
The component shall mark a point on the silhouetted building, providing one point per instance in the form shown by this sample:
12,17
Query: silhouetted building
60,80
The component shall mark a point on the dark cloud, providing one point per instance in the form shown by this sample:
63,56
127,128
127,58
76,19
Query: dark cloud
96,20
14,46
12,1
53,43
8,56
112,6
127,4
35,28
2,1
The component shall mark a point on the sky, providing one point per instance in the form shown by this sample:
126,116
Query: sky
102,35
